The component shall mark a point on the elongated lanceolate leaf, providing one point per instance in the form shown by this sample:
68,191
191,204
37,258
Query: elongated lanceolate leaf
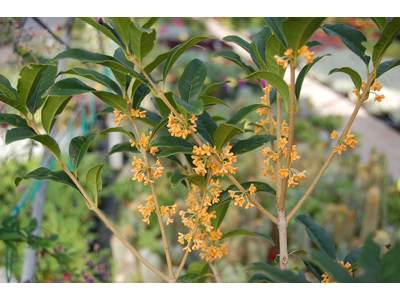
208,89
232,56
243,112
121,25
93,180
114,101
380,22
389,33
209,101
369,261
17,134
170,141
386,66
246,232
29,79
259,46
192,79
174,150
275,24
14,120
278,276
53,106
102,134
78,148
251,143
141,41
102,29
275,47
225,132
355,77
69,87
176,178
206,126
48,142
336,272
123,147
14,103
192,108
7,89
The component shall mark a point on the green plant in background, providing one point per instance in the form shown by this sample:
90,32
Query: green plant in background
183,130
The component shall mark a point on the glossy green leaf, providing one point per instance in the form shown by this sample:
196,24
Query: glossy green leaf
192,80
277,275
259,46
69,87
151,118
17,134
198,267
238,41
389,271
7,89
141,91
313,267
275,47
389,33
352,257
275,24
159,126
150,22
141,40
170,141
14,120
102,134
14,103
355,77
243,113
232,56
206,126
95,76
123,79
122,147
336,272
276,81
311,44
192,108
220,212
369,261
78,147
318,235
210,88
46,174
251,143
350,36
48,142
299,30
93,181
107,110
259,278
225,132
303,73
102,29
174,150
257,58
209,101
113,101
178,51
121,25
192,278
176,178
53,106
29,79
380,22
386,66
246,232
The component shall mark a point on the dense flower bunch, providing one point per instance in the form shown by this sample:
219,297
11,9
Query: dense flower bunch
144,173
303,52
239,199
375,87
348,140
178,128
326,277
135,113
144,142
202,160
147,209
202,234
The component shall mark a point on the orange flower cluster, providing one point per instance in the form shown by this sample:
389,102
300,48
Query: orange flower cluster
283,61
303,51
169,210
202,160
140,170
119,117
179,129
144,142
348,140
147,209
239,199
196,214
326,277
376,86
139,114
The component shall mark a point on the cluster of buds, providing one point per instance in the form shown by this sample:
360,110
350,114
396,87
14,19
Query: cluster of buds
375,87
178,128
119,117
140,169
147,209
348,140
326,277
303,52
239,199
144,142
139,114
169,210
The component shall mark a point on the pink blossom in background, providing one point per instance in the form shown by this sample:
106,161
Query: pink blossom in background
59,27
177,22
19,24
263,82
164,29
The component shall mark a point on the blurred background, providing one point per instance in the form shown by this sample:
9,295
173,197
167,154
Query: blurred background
359,193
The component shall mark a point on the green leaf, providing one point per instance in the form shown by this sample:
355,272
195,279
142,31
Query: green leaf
174,150
95,76
107,110
29,79
298,31
232,56
353,75
206,126
139,94
311,44
155,63
209,100
192,108
318,235
386,66
93,180
243,112
6,236
259,278
178,51
151,118
350,36
369,261
102,29
275,24
53,106
220,212
336,272
251,143
150,22
122,147
352,257
69,87
278,275
276,81
78,148
159,126
141,40
170,141
380,22
14,103
389,33
192,80
192,278
302,75
48,142
246,232
123,79
225,132
114,101
7,89
389,271
260,186
102,134
238,41
63,258
259,46
17,134
208,89
46,174
121,25
14,120
275,47
176,178
198,267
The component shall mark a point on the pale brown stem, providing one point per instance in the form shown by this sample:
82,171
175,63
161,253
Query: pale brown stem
214,269
283,243
278,164
326,164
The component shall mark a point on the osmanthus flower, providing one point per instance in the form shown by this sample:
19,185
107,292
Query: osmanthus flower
326,277
169,210
303,51
142,171
239,199
179,129
376,86
144,142
147,209
119,117
348,140
139,114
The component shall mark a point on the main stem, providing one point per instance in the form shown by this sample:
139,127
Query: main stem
283,243
214,269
